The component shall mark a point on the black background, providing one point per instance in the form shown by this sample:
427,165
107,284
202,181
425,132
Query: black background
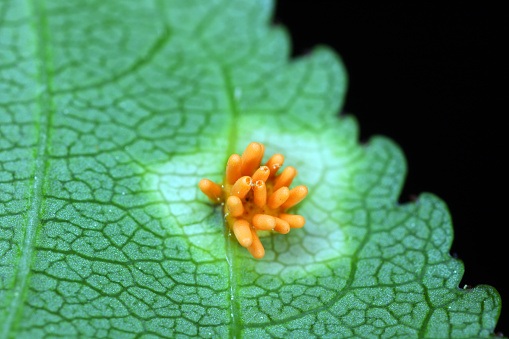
434,79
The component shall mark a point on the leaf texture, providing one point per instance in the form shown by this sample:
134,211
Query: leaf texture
110,114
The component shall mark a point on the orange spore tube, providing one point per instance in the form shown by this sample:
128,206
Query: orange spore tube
261,174
296,195
260,193
261,153
295,221
233,169
282,226
235,206
210,189
251,158
242,232
278,198
255,199
242,187
264,222
275,163
285,178
256,249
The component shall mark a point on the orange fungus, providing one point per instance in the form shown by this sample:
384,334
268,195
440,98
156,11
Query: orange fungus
256,198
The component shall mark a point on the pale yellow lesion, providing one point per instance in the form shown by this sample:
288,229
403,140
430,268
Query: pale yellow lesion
256,198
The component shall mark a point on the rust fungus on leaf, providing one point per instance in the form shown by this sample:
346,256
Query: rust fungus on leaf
256,198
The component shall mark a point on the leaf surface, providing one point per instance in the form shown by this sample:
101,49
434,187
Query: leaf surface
110,114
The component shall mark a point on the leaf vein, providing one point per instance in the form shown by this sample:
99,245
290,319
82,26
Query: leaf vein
35,201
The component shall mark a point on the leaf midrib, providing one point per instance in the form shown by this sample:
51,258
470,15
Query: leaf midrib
33,219
230,257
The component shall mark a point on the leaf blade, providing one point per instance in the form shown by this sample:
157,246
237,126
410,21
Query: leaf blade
126,245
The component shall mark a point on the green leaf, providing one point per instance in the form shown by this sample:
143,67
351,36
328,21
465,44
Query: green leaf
110,114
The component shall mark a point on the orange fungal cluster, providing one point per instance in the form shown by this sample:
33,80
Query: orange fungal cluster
255,198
